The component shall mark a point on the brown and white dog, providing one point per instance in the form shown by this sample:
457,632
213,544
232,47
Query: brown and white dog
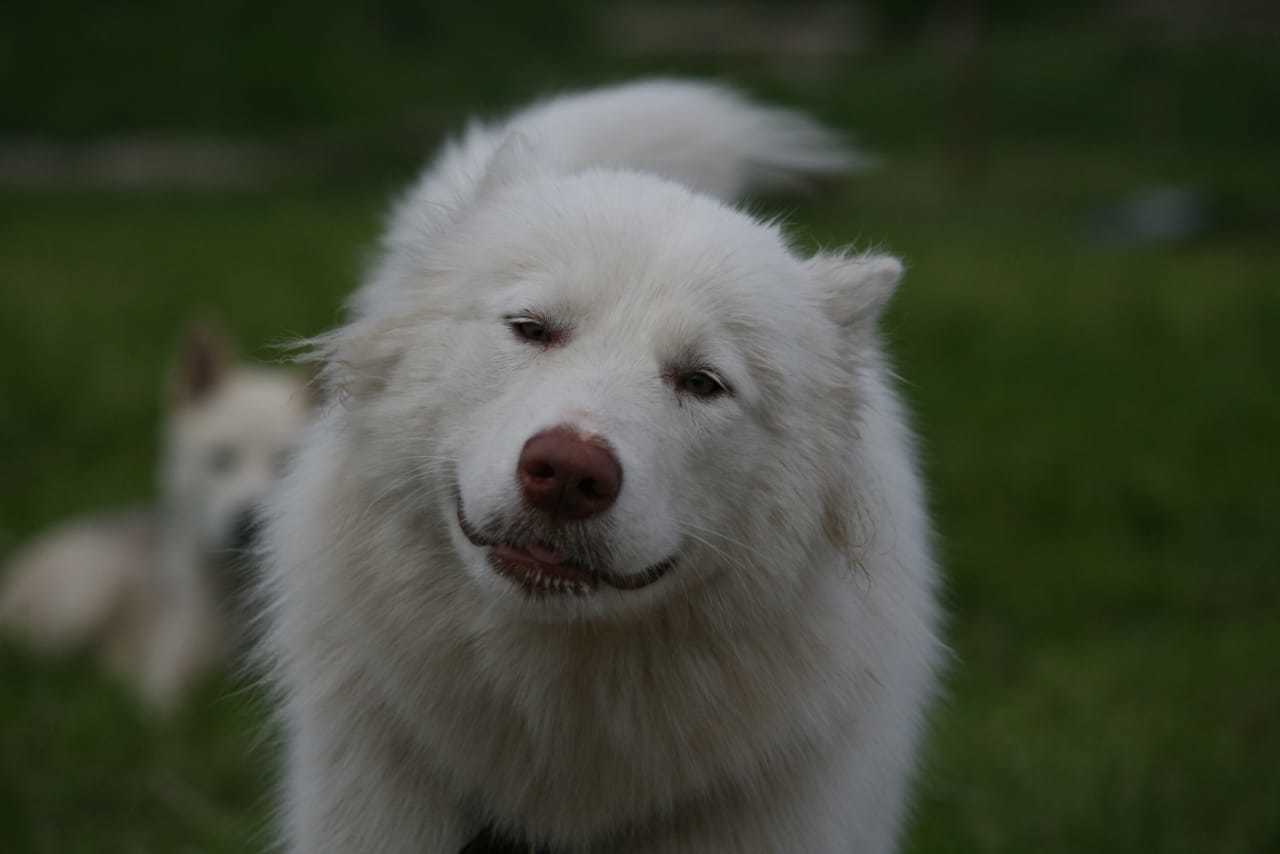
152,590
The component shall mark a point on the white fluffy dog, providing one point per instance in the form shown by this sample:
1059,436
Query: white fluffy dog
615,541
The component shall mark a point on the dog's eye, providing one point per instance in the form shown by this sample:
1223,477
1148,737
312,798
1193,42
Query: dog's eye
222,459
531,330
700,384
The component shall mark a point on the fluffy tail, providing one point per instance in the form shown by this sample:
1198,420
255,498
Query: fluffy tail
707,137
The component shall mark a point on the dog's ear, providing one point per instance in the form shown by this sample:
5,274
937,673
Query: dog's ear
204,359
517,159
856,288
357,360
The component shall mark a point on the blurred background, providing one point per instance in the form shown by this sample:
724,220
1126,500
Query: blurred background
1089,205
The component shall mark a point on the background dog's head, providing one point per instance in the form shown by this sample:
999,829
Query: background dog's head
230,431
607,387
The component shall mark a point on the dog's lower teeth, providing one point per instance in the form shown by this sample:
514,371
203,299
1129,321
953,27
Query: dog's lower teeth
555,585
539,582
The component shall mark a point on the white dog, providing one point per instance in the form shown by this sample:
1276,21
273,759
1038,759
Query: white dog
153,590
615,542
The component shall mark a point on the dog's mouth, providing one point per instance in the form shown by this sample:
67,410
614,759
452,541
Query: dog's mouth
541,569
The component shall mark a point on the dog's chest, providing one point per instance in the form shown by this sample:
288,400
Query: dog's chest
566,745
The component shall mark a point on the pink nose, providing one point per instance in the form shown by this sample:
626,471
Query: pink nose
568,475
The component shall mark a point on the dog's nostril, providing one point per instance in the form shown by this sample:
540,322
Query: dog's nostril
541,470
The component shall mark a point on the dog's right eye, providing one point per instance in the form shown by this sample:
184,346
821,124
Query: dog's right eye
532,330
700,383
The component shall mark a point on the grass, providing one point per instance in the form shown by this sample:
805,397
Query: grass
1099,427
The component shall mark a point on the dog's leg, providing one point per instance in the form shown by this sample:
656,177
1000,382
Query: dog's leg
355,785
180,641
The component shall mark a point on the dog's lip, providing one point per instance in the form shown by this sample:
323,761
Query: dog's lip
540,569
536,575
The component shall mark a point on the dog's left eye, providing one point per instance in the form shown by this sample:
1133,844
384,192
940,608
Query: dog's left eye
531,330
700,384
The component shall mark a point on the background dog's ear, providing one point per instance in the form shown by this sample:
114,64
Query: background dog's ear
204,359
856,287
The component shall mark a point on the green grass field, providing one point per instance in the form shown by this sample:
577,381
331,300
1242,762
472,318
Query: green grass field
1100,430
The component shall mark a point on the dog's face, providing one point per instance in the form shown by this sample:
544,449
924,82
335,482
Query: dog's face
605,403
230,433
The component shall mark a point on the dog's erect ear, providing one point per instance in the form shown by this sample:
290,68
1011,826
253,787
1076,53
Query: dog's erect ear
856,287
517,159
204,360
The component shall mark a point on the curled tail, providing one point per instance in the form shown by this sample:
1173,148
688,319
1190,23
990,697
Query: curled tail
707,137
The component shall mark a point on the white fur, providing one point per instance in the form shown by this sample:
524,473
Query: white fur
767,693
148,588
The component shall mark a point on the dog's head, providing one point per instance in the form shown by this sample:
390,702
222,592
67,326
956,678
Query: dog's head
231,429
603,388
